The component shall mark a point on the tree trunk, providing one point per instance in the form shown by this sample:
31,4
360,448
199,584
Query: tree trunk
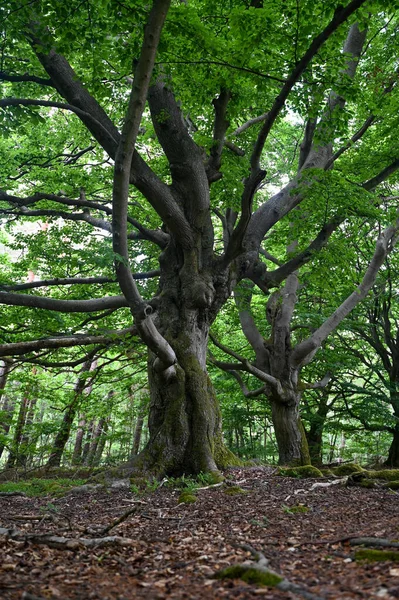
315,433
101,443
86,447
64,431
77,451
6,415
97,431
137,431
184,417
393,455
290,434
26,445
19,427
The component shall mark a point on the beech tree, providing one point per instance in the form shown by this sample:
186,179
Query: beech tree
175,171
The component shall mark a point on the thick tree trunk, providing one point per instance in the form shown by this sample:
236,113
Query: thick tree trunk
393,455
290,434
184,417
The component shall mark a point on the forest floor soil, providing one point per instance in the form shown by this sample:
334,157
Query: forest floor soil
177,548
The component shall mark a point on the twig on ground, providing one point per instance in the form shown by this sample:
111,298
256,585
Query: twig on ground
119,520
63,543
210,487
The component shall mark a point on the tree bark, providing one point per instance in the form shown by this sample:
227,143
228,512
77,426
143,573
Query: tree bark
77,451
393,455
184,417
138,429
290,434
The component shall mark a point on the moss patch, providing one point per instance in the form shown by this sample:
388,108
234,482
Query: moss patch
326,471
347,469
394,485
297,509
304,472
250,575
385,474
376,555
368,483
41,487
235,490
187,498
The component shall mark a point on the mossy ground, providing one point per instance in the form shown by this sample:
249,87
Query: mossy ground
297,509
376,555
303,472
235,490
41,487
250,575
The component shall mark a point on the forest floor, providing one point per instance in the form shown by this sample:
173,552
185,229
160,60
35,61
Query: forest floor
175,549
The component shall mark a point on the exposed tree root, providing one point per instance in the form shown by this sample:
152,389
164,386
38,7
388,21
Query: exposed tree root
259,573
63,543
355,539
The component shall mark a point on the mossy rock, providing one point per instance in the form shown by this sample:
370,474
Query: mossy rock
376,555
303,472
250,575
235,490
187,498
385,474
393,485
347,469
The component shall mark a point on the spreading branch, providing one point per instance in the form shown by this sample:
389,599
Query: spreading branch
304,352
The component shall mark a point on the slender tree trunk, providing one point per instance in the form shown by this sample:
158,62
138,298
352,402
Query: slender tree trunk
6,413
315,433
101,443
138,428
19,427
64,431
77,451
290,434
95,440
86,447
26,439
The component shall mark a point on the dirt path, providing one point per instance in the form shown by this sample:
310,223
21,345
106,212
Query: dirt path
177,548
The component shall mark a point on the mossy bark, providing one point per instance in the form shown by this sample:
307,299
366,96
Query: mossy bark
184,417
290,434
